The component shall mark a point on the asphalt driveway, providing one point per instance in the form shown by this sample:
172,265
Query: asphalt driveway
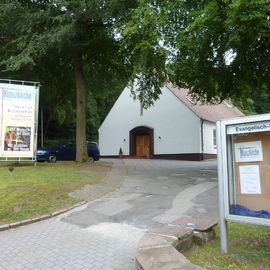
103,234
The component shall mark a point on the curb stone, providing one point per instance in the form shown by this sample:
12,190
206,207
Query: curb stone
4,227
17,224
160,249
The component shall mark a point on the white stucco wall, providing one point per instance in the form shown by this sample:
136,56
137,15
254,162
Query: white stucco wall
208,140
176,125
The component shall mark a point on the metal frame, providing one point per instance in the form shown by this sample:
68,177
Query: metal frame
226,171
37,86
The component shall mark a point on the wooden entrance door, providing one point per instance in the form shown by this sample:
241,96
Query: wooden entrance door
142,145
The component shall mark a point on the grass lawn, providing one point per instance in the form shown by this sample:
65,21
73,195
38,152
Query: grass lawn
32,191
249,249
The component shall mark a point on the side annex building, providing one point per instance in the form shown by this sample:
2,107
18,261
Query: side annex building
173,128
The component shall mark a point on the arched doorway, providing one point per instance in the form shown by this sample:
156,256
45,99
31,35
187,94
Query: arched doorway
141,142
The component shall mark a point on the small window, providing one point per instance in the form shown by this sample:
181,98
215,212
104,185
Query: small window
214,138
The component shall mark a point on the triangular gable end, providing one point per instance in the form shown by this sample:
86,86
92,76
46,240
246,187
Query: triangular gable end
179,99
115,105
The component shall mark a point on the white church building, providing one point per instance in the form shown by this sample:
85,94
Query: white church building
173,128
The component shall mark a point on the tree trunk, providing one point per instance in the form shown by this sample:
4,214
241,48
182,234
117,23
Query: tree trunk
81,149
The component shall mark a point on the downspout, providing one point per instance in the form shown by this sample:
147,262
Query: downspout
202,141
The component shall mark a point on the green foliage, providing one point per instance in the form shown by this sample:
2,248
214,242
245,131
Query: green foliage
39,40
216,48
262,101
245,106
141,45
220,48
259,103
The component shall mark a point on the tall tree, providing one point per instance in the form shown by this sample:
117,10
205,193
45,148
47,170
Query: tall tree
71,31
84,30
216,48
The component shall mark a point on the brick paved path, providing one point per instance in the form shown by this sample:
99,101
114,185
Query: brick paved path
57,245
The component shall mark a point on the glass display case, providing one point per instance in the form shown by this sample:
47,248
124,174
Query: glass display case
244,168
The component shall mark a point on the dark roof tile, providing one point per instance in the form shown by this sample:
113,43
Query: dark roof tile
209,112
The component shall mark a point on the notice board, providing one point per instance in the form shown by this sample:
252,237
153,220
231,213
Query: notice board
252,169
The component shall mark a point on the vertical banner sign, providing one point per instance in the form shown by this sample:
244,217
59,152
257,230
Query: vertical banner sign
18,115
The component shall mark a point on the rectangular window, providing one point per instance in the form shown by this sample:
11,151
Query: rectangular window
215,138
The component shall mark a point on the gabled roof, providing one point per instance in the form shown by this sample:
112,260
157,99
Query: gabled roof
212,113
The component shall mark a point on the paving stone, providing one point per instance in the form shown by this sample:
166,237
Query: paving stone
53,244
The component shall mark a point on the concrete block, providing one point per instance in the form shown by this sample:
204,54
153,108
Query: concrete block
202,238
184,243
150,240
199,224
137,265
163,258
171,230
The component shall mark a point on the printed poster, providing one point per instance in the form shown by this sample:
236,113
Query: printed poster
18,120
250,179
248,151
